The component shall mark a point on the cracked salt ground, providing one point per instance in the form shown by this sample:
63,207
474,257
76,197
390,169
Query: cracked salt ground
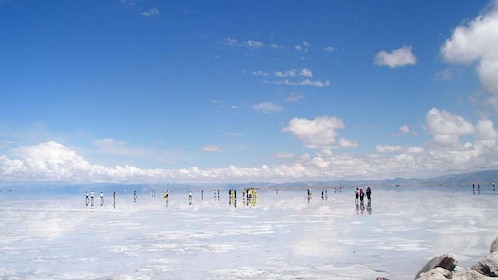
281,237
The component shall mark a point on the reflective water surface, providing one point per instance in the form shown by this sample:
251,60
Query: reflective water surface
274,234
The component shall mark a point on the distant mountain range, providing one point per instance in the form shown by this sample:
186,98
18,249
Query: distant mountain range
477,177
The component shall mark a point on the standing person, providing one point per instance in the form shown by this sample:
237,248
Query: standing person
92,197
114,199
369,192
362,194
134,196
87,198
101,199
189,198
356,193
493,186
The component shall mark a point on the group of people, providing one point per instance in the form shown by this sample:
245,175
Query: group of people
90,199
360,194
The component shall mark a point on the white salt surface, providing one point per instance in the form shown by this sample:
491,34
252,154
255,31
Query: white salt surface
281,237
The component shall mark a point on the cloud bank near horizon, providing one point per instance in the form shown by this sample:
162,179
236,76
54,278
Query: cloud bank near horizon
445,152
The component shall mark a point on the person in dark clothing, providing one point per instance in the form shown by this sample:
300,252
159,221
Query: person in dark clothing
369,193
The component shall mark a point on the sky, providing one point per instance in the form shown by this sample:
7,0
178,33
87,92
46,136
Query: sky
138,91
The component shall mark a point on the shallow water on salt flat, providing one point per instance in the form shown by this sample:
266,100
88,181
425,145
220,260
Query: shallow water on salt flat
279,236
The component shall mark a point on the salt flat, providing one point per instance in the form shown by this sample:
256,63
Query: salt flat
279,236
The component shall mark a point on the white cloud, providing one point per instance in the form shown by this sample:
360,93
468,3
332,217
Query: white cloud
396,58
252,44
304,72
231,41
345,143
476,41
152,12
305,82
404,129
446,128
388,149
248,43
267,107
294,97
329,49
288,73
260,73
318,133
211,148
304,47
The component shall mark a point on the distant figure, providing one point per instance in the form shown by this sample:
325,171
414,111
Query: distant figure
87,199
135,196
92,198
369,193
473,187
101,199
309,195
362,194
114,199
357,194
493,186
478,188
202,194
189,198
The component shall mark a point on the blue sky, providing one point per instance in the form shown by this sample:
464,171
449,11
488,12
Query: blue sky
241,91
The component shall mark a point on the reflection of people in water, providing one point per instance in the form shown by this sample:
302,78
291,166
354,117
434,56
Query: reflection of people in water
360,207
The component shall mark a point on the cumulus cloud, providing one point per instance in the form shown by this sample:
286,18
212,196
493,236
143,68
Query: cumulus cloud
396,58
446,128
267,107
476,41
318,133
